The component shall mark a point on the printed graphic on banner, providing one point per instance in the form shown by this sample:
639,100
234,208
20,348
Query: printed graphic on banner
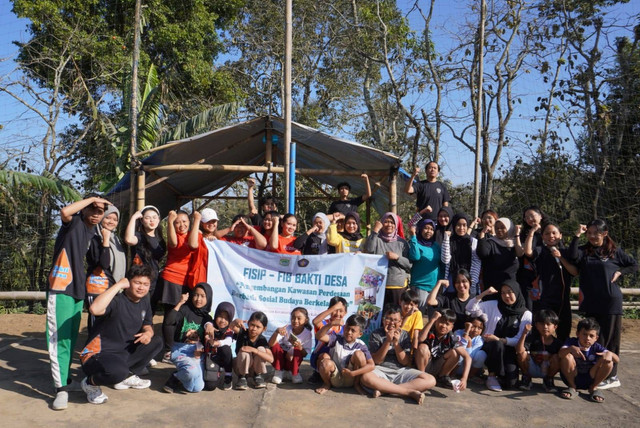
275,284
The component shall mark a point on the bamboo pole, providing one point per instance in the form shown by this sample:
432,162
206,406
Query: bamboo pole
393,191
140,197
476,180
257,168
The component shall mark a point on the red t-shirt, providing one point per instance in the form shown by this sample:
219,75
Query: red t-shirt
247,240
197,270
178,261
285,246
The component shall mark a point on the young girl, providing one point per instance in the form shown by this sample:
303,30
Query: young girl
555,276
243,233
384,240
527,238
268,222
601,264
459,252
314,240
185,323
282,242
252,350
349,240
144,232
444,223
289,345
424,254
471,339
486,224
106,258
218,346
457,301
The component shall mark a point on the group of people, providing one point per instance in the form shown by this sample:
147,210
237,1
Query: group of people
478,282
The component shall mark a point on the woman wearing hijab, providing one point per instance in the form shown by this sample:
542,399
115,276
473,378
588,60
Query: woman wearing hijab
185,324
350,240
106,258
506,318
459,252
314,240
424,254
498,255
443,223
384,240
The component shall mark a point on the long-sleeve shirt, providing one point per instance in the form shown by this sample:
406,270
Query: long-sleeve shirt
598,294
425,266
490,309
341,244
398,269
474,269
498,263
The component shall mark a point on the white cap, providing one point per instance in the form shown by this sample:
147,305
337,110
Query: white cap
207,215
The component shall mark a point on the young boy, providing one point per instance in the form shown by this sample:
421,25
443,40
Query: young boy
67,289
390,349
336,312
584,363
411,316
537,353
122,341
439,350
345,204
348,356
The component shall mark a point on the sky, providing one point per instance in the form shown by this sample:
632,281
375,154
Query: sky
22,128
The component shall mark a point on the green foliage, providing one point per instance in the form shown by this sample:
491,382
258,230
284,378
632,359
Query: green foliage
45,182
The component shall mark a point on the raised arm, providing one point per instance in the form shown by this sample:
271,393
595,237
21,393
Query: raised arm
172,236
367,185
193,240
251,183
432,298
66,213
408,187
99,306
130,237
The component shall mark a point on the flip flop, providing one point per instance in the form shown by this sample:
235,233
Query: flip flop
597,396
569,393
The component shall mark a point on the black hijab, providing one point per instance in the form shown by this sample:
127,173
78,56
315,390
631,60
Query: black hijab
206,309
231,312
460,246
352,236
511,314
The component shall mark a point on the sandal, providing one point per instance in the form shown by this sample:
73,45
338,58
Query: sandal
569,393
597,396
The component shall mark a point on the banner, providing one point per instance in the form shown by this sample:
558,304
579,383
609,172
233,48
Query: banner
256,280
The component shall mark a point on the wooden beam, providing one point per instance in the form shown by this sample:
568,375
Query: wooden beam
257,168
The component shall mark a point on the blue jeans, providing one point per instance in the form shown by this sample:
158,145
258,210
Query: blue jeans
189,368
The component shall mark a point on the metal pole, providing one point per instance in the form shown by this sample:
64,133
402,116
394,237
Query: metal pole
287,105
476,181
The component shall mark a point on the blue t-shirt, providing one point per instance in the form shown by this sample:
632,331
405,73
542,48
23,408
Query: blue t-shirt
591,355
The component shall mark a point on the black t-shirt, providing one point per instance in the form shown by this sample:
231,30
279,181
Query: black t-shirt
434,194
158,250
242,339
114,331
68,273
498,263
538,350
345,207
554,280
451,301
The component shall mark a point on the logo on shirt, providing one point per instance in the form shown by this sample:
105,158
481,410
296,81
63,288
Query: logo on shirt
438,190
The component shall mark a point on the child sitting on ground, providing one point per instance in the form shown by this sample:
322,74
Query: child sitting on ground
336,312
252,350
218,348
289,345
471,339
348,356
537,355
439,350
584,363
411,316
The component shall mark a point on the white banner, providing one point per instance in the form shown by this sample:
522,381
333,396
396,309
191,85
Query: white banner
256,280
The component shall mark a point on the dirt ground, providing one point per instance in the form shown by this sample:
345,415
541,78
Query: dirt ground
26,393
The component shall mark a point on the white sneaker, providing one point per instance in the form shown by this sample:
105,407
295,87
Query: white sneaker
277,377
296,378
94,393
61,400
612,382
152,363
134,382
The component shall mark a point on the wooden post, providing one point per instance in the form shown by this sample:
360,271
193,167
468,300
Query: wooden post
393,191
140,195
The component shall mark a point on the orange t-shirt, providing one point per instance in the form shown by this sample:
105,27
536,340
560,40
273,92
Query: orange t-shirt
285,246
178,261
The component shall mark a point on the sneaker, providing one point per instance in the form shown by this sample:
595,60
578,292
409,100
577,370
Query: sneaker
94,393
166,357
493,384
134,382
152,363
297,379
525,383
445,381
61,401
315,378
612,382
259,382
549,385
228,383
288,375
241,383
277,377
172,385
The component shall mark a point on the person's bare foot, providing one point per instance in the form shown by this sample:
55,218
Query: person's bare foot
323,389
375,393
417,396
